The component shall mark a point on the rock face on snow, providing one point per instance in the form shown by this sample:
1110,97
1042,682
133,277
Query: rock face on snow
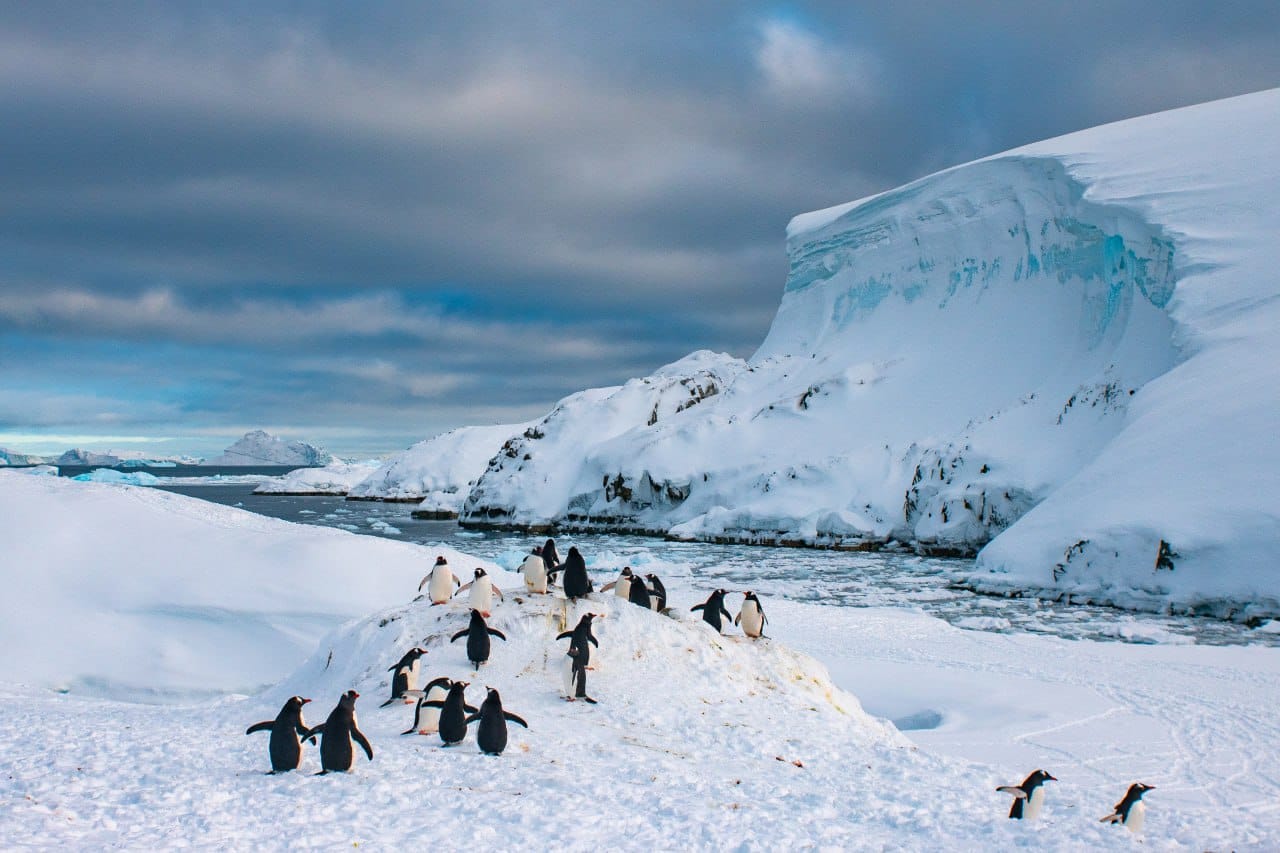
261,448
438,472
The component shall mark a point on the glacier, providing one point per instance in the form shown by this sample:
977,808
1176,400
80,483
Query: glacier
1059,358
258,447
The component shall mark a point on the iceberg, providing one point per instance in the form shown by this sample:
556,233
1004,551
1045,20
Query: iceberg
259,447
336,478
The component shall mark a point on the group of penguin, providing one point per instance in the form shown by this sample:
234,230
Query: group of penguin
1028,801
441,704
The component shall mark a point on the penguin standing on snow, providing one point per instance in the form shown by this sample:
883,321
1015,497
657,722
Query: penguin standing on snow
285,747
405,676
492,734
712,609
453,713
581,637
1028,798
575,677
657,592
534,570
751,616
440,582
576,583
622,586
477,634
550,556
1131,811
639,595
426,717
336,752
482,593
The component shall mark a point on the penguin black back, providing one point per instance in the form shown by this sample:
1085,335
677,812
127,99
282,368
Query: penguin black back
492,734
1026,797
453,714
549,555
712,609
477,634
581,638
285,747
639,595
338,731
401,671
1128,808
657,592
576,582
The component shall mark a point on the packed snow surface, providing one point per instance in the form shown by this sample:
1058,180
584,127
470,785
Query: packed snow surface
261,448
336,478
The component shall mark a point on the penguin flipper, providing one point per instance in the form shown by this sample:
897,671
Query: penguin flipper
497,592
610,585
471,708
434,703
564,635
458,636
358,737
423,582
470,719
514,718
593,640
312,732
442,681
389,701
737,618
463,588
1112,818
495,632
696,608
264,726
1013,789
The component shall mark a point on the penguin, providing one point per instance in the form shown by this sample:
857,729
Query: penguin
492,734
580,637
482,592
1029,796
426,717
336,754
751,616
453,713
477,634
535,574
575,677
285,746
576,583
406,676
622,586
440,582
1131,811
640,595
712,609
550,557
657,593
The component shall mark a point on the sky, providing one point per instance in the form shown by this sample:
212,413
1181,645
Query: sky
360,225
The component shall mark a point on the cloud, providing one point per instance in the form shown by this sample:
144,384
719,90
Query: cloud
796,62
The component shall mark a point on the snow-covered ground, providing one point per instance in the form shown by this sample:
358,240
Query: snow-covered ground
336,478
699,741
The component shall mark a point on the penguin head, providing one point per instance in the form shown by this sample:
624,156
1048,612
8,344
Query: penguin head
1137,789
441,561
295,703
573,551
626,571
651,577
475,615
348,699
479,572
493,695
1038,777
749,596
586,618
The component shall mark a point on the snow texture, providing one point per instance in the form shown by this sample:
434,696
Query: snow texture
260,448
336,478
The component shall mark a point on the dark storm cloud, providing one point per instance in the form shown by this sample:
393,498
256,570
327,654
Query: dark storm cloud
393,219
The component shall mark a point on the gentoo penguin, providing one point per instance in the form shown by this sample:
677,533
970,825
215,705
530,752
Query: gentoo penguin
426,717
580,636
286,748
640,594
1028,798
657,592
1131,811
482,593
622,586
751,616
337,732
477,634
576,583
440,582
550,556
453,713
575,677
405,676
492,734
712,609
535,574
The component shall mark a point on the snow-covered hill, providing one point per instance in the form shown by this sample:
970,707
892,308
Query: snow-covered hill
259,447
336,478
14,457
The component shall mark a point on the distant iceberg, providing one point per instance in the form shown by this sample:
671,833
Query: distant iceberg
261,448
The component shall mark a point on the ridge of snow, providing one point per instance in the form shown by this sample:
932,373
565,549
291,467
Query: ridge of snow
336,478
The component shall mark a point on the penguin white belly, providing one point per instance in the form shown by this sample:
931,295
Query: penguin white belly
535,575
411,675
482,595
566,674
1137,816
752,623
440,589
622,588
1035,803
429,721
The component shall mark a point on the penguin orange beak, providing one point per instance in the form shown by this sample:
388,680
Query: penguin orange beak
355,695
305,701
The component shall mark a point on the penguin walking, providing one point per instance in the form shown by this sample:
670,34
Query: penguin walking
453,713
426,717
550,556
477,634
1028,798
285,746
1131,811
337,733
482,593
712,609
575,677
639,595
440,582
576,582
492,734
534,570
751,616
657,592
581,638
405,678
622,586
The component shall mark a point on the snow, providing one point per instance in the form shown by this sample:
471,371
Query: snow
17,457
261,448
336,478
440,471
109,475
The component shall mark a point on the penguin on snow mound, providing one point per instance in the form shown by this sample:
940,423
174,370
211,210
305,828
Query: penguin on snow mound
285,746
405,680
751,616
440,582
534,569
492,734
337,733
581,639
712,609
482,592
1028,798
477,634
426,716
1130,812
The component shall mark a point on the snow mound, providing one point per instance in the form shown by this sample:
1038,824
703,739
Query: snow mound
336,478
261,448
140,593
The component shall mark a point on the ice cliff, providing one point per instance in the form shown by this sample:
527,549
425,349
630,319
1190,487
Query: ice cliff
261,448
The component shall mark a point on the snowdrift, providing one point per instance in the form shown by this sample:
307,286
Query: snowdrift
336,478
143,594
